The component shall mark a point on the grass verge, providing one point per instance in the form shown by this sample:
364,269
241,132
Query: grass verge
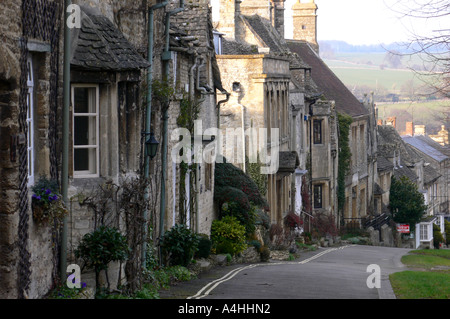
429,277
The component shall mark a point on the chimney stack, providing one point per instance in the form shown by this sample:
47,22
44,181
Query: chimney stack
304,19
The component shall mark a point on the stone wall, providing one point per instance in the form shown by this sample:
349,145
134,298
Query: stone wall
40,238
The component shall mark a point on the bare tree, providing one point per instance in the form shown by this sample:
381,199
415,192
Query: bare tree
433,48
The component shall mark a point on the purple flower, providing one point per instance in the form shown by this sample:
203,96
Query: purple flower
37,197
48,192
83,285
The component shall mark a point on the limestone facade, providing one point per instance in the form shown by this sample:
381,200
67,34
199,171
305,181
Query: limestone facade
108,93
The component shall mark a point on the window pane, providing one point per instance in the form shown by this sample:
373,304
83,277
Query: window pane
85,130
85,160
317,196
84,100
317,130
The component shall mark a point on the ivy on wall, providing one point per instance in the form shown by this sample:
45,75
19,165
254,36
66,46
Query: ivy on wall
345,154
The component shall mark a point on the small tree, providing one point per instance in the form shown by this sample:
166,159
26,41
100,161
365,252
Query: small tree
99,248
406,203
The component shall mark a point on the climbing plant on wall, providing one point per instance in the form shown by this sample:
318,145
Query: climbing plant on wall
189,112
344,122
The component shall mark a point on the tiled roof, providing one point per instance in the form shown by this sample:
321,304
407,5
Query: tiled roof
430,175
390,143
269,36
384,164
264,30
427,146
231,47
404,170
377,190
327,81
99,45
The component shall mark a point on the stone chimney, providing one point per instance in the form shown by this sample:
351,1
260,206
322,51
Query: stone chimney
278,16
409,128
226,23
391,121
419,130
263,8
304,19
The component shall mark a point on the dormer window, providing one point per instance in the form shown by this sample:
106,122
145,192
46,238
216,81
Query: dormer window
218,42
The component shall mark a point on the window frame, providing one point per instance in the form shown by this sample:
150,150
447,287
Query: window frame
317,134
96,146
318,200
424,232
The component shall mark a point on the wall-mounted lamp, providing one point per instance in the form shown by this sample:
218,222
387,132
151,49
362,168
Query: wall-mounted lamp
151,145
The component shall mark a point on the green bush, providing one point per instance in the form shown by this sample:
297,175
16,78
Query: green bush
204,246
265,253
437,236
179,244
99,248
255,243
447,232
245,215
228,236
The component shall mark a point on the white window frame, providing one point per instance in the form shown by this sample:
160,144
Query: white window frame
426,231
96,146
30,121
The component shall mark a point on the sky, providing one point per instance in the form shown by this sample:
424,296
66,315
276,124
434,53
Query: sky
364,22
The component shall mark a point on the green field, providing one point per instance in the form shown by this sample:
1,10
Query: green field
425,113
391,80
371,71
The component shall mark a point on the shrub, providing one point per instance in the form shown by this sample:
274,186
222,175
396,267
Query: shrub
228,236
180,244
292,220
204,246
255,243
437,236
447,232
99,248
265,253
245,215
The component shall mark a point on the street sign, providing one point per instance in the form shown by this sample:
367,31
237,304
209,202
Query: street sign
403,228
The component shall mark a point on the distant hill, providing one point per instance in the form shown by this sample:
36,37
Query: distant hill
337,46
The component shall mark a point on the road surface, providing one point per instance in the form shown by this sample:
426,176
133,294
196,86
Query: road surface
347,272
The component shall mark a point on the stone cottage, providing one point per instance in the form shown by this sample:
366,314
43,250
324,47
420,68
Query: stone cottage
29,137
436,156
110,97
362,137
256,64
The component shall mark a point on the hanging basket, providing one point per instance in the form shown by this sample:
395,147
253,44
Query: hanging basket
40,212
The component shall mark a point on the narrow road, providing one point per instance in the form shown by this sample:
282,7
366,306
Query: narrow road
328,273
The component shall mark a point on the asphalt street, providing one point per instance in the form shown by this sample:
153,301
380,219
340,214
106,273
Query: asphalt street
346,272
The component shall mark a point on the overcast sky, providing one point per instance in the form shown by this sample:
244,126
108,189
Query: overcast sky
363,21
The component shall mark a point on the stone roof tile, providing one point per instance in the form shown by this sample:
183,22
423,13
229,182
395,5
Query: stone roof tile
331,86
99,45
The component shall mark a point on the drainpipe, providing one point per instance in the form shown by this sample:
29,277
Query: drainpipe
65,155
165,59
148,118
227,98
191,95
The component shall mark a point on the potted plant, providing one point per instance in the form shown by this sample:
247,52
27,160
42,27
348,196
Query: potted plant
46,201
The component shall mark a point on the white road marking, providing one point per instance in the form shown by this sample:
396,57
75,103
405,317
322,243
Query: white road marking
213,284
